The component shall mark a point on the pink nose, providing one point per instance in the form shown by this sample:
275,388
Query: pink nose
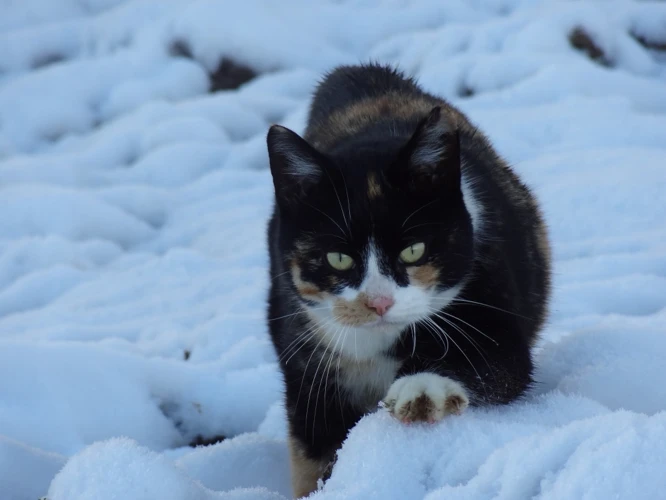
381,305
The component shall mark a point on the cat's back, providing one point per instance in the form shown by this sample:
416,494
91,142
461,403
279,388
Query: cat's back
369,100
347,85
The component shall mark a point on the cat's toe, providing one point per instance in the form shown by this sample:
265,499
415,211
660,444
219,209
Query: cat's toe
425,397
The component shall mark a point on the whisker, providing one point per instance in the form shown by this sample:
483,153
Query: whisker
471,341
301,338
309,359
344,217
305,371
468,324
425,224
489,306
443,340
464,354
329,218
348,201
314,380
442,333
282,274
304,335
462,332
332,236
298,337
418,210
355,347
327,370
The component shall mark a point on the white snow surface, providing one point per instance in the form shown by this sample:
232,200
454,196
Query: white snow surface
134,206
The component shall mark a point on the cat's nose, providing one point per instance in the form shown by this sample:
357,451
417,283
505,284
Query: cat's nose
381,304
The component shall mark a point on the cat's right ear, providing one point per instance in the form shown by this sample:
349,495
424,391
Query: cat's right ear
430,161
295,165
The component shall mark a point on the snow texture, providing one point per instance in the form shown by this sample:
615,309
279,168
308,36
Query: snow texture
133,266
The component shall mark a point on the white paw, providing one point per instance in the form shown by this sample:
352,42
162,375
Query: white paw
425,397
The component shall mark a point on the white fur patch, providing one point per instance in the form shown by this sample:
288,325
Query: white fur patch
472,203
425,397
428,154
375,283
359,342
366,381
301,167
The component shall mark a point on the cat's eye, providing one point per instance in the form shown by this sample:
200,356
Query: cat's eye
339,261
412,253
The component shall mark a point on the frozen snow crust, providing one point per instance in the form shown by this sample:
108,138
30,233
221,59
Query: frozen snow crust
133,263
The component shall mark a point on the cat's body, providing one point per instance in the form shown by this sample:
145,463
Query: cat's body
408,264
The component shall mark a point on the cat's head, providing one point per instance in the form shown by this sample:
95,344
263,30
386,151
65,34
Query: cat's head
376,235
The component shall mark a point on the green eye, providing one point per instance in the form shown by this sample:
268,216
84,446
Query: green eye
339,261
412,253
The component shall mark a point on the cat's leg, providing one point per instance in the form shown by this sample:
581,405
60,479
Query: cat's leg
305,471
425,397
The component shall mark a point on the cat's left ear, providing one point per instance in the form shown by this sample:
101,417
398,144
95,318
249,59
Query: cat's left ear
431,158
295,165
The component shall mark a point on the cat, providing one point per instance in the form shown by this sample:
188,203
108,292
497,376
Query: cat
409,265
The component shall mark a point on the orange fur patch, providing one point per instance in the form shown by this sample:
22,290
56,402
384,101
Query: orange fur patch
333,280
307,290
304,246
352,119
305,472
353,312
374,189
425,276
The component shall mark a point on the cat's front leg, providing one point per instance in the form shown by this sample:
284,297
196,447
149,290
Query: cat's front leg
425,397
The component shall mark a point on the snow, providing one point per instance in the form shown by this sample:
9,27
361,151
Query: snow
560,446
133,266
144,475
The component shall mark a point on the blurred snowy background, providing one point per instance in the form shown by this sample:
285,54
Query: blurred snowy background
134,191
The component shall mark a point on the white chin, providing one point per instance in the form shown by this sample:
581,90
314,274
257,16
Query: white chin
385,324
365,341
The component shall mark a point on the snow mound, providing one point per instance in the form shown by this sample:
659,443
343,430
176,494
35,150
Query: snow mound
555,447
119,468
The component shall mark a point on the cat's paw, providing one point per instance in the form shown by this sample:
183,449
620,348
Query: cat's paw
425,397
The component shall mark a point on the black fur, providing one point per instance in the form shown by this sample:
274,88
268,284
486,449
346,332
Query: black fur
505,265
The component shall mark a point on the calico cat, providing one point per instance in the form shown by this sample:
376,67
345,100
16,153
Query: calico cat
409,264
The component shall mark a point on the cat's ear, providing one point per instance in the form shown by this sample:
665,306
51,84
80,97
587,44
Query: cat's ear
295,165
431,158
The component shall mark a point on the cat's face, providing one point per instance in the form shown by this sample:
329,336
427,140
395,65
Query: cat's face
375,237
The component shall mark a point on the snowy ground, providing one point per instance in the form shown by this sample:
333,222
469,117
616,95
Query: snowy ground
133,262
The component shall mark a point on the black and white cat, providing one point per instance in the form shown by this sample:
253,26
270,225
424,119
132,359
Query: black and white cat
409,264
